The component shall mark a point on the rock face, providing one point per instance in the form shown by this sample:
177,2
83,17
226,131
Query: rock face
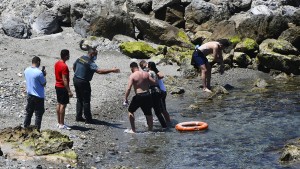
41,143
182,23
279,55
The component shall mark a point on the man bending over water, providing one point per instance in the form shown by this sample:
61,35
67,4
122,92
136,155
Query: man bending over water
140,80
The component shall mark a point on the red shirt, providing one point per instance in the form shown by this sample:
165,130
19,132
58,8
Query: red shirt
61,68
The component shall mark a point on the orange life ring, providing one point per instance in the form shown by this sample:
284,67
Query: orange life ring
191,126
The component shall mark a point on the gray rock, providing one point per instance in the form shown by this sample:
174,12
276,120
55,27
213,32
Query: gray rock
14,26
159,4
159,32
261,10
292,35
46,23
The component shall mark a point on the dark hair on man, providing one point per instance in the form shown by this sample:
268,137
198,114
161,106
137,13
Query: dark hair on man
64,53
36,60
224,42
134,65
152,66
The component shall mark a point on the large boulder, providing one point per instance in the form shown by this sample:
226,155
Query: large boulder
90,13
46,23
174,15
159,4
140,6
248,46
159,32
110,25
241,59
279,55
138,50
292,35
260,27
207,13
197,13
239,5
274,4
41,143
14,26
224,29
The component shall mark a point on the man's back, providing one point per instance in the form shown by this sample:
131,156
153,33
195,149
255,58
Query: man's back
140,81
35,81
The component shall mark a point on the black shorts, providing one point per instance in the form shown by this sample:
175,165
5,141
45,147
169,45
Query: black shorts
62,95
144,101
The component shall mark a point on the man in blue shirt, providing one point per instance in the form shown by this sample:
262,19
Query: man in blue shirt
84,69
35,84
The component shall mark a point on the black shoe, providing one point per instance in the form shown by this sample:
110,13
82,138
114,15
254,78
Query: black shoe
91,121
80,119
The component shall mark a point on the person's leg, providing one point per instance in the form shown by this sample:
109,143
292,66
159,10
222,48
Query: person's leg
203,77
133,106
39,111
208,75
62,110
146,103
29,110
86,102
157,109
58,113
149,119
164,107
132,121
79,102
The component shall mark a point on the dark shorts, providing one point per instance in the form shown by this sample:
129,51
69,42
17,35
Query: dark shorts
143,101
199,59
62,95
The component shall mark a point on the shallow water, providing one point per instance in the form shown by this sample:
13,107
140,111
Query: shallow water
246,130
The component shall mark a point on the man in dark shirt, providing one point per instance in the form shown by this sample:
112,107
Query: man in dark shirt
84,68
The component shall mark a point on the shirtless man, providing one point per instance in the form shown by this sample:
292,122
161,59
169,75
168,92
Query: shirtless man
140,80
200,61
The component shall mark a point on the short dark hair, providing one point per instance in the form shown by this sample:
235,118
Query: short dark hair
224,42
36,60
64,53
133,65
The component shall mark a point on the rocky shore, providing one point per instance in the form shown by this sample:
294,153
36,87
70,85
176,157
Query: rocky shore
264,36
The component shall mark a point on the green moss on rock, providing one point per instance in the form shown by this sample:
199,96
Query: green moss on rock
235,39
250,44
139,50
178,54
183,37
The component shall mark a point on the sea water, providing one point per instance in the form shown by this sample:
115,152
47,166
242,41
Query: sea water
246,130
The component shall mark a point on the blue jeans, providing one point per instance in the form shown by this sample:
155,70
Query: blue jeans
34,104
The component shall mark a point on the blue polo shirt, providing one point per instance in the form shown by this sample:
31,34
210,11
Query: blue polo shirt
84,68
34,82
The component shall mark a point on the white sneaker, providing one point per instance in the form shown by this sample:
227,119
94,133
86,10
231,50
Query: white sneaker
64,127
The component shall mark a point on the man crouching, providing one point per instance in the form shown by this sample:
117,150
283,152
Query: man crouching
140,81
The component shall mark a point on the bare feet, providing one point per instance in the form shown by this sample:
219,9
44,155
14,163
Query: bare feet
207,90
129,131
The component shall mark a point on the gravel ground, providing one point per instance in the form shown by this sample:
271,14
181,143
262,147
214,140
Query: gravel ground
107,95
91,142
